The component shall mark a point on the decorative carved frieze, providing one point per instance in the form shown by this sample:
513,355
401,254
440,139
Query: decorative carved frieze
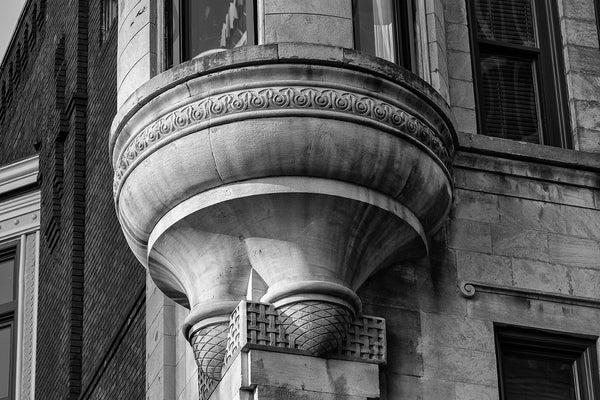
295,100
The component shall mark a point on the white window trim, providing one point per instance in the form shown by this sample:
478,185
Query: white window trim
20,220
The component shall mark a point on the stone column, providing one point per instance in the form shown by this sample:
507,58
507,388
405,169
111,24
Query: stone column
136,54
309,21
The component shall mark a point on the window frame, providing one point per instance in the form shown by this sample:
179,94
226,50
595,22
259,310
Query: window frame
550,91
579,349
405,51
9,312
110,15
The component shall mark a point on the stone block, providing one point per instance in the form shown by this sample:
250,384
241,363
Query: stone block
584,86
588,114
528,214
458,37
459,65
466,119
461,94
440,330
334,8
481,267
403,339
572,251
469,235
582,222
578,9
455,12
588,140
466,391
267,375
580,33
396,386
319,29
516,242
460,365
437,389
134,50
537,275
585,282
475,206
582,59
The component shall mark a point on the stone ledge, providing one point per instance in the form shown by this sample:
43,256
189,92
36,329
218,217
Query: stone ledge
515,150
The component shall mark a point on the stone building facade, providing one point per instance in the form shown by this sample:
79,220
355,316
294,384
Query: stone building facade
331,200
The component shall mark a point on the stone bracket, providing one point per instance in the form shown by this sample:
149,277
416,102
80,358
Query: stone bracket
254,325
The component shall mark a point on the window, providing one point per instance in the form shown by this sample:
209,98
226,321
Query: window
518,64
540,365
8,312
195,28
19,241
109,15
387,29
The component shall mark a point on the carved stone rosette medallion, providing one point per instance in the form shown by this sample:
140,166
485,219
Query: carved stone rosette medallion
288,180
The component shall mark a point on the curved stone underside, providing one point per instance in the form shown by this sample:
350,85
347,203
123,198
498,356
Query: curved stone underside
315,326
208,344
310,174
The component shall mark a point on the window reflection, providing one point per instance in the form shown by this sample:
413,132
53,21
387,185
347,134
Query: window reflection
7,280
374,29
5,360
211,25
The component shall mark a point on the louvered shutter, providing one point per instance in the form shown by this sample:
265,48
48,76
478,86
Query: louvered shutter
508,57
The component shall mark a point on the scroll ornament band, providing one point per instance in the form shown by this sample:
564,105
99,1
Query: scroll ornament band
281,98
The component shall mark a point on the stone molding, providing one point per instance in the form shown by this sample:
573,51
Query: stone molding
255,325
19,174
469,289
293,100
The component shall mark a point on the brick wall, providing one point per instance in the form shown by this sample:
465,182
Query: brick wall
91,290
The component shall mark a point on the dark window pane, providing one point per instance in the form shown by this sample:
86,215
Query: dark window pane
508,98
213,24
7,280
374,28
505,21
534,377
5,360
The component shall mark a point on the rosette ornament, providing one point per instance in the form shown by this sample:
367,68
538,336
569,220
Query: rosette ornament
309,174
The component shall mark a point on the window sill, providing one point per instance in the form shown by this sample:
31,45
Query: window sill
515,150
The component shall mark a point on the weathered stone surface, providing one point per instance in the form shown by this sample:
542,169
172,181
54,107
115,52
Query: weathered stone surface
310,28
456,331
537,275
462,94
469,235
476,206
517,242
574,251
460,365
527,214
466,391
482,267
335,8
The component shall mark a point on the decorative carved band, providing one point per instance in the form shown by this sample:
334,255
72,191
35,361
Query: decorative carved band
468,290
260,324
293,99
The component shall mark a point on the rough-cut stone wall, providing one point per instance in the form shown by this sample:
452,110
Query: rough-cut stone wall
582,67
530,224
